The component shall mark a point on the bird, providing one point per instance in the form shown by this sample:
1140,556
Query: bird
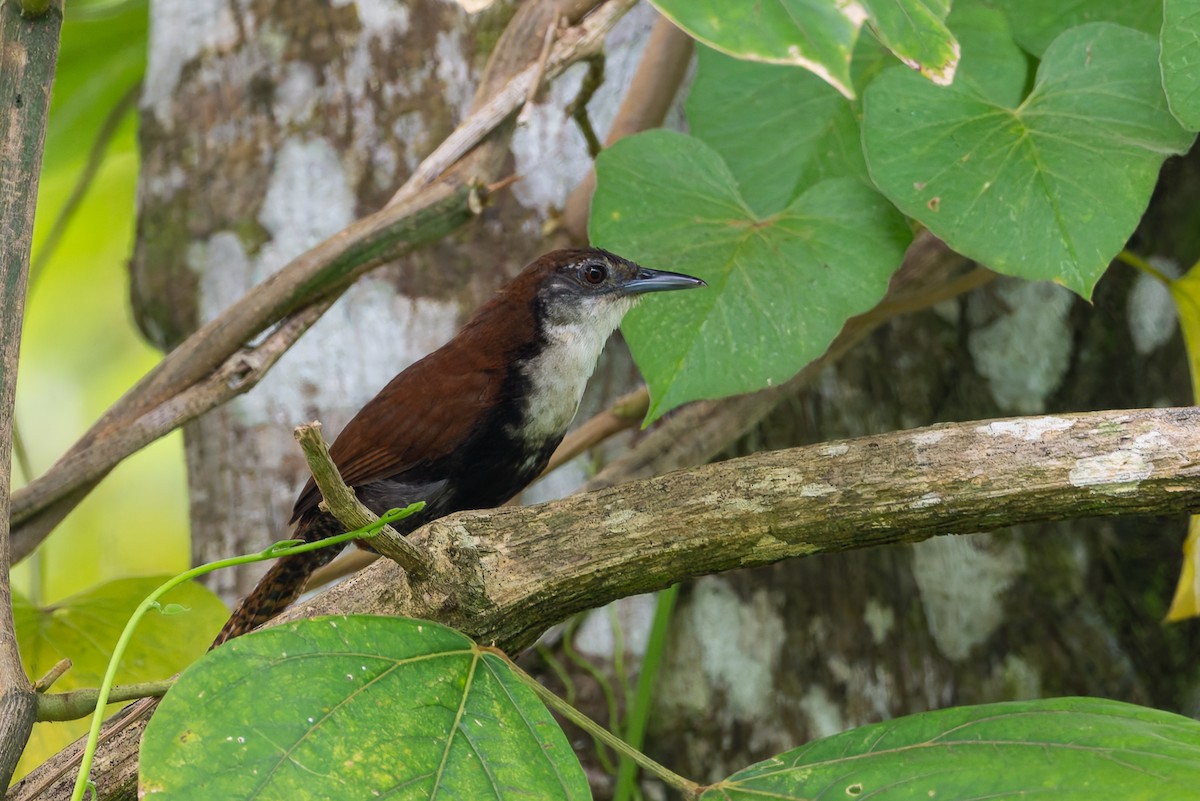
474,422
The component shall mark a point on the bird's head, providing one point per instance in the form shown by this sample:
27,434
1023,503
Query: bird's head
590,286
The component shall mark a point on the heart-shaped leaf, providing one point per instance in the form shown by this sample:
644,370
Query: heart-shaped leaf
1048,190
777,128
1068,749
818,35
914,31
1181,59
780,287
355,708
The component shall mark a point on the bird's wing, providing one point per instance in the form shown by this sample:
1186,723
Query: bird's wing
415,420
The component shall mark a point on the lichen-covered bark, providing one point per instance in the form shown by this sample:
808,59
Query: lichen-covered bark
268,126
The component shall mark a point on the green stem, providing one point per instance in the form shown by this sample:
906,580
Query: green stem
688,788
285,548
610,698
1138,263
638,714
76,704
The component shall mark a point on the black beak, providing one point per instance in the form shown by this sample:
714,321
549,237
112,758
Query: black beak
648,280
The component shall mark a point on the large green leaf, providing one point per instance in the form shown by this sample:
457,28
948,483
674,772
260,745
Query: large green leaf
355,707
780,286
818,35
1048,190
779,129
84,628
1181,59
1038,22
914,31
1068,749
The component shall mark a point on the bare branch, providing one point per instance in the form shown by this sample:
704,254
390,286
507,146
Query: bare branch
76,704
570,46
237,375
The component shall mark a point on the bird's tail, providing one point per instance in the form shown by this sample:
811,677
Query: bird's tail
275,592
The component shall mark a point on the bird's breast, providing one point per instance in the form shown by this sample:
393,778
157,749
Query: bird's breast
556,377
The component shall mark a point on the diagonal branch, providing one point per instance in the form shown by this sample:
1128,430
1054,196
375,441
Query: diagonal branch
341,502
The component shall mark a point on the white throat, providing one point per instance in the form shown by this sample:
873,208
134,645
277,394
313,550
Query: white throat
559,374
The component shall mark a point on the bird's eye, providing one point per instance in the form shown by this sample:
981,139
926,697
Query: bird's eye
594,273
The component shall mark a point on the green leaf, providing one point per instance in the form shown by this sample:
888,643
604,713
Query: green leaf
779,129
1037,23
355,707
992,63
1068,749
85,627
914,31
817,35
780,287
1181,60
1049,190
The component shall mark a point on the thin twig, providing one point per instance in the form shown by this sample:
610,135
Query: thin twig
651,92
52,675
571,46
104,137
341,502
540,77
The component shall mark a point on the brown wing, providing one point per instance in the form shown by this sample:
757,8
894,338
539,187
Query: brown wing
417,417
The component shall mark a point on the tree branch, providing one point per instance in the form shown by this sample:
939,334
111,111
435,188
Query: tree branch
75,704
28,51
516,571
